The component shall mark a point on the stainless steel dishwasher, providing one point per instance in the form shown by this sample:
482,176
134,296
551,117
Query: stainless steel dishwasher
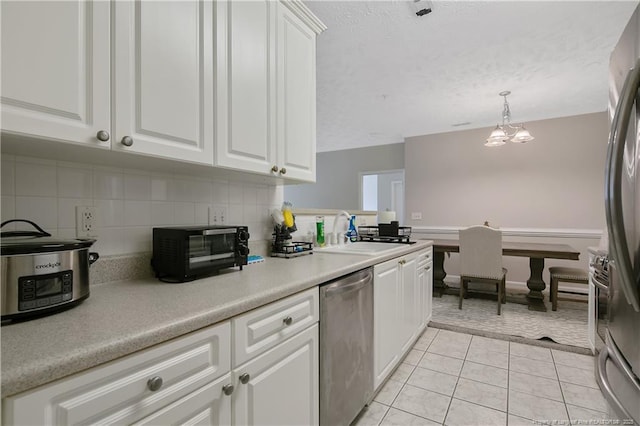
346,347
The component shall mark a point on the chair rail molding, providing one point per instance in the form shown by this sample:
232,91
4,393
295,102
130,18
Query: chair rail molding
418,231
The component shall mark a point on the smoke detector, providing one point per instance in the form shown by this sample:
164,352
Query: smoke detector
423,7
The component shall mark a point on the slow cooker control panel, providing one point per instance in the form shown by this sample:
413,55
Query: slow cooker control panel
39,291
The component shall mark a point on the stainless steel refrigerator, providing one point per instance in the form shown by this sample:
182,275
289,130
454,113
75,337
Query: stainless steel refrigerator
618,366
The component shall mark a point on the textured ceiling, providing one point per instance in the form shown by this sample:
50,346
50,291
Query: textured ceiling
385,74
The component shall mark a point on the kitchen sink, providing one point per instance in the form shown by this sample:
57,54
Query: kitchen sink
366,248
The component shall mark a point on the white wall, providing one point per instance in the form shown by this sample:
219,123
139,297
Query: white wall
129,202
338,175
553,186
554,181
385,194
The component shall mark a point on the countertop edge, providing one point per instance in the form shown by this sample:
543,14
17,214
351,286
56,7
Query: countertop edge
17,378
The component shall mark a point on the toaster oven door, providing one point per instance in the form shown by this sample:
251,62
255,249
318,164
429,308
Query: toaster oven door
212,248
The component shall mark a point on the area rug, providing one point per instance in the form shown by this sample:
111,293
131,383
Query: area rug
566,326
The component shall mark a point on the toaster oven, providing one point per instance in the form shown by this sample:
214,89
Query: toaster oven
186,253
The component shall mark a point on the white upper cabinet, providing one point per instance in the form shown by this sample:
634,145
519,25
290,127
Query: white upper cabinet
296,97
55,70
266,88
163,81
245,77
225,83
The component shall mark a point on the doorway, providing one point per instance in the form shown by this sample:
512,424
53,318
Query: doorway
383,191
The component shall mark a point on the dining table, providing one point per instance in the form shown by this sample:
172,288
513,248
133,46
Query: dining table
536,252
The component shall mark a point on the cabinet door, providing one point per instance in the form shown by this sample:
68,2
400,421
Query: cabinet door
421,279
409,311
386,300
163,79
296,97
56,69
245,85
206,406
424,277
282,386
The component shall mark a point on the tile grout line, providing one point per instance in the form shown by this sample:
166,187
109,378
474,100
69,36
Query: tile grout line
555,367
405,382
508,380
457,381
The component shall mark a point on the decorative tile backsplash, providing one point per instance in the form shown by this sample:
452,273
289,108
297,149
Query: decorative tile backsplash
129,203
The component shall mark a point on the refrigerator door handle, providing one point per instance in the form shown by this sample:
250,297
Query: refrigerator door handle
613,181
605,385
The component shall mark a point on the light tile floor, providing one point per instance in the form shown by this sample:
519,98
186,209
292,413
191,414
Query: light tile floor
451,378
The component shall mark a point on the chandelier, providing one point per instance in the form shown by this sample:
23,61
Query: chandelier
502,133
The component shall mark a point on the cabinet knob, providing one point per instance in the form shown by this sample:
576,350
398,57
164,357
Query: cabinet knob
274,169
127,141
154,383
103,135
227,389
244,378
283,171
402,262
288,321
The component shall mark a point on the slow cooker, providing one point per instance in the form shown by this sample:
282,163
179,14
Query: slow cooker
42,275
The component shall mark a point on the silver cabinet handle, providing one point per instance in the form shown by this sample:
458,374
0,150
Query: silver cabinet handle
154,383
274,169
287,321
244,378
283,171
227,389
103,135
127,141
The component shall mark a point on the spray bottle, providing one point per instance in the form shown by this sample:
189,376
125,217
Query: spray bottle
352,233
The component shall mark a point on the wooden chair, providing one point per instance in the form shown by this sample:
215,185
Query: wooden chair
481,260
565,274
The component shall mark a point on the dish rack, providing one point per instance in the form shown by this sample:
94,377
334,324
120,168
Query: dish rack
291,249
387,232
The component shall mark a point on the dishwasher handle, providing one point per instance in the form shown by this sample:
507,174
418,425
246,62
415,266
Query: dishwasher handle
344,286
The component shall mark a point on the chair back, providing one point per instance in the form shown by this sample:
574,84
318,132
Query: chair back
480,252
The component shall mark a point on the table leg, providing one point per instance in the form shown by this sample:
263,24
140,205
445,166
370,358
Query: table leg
439,287
536,284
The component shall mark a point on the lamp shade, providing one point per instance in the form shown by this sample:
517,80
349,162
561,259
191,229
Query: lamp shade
497,137
522,136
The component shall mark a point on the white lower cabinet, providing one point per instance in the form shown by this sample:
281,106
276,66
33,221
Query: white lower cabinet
386,302
193,379
424,277
128,390
401,309
281,385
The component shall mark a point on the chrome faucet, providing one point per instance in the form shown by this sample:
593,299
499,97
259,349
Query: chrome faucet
337,219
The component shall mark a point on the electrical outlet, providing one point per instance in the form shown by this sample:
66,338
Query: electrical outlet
217,215
223,215
86,221
416,216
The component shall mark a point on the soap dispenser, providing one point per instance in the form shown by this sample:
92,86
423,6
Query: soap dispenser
352,233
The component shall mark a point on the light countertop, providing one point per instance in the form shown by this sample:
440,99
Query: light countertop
124,317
